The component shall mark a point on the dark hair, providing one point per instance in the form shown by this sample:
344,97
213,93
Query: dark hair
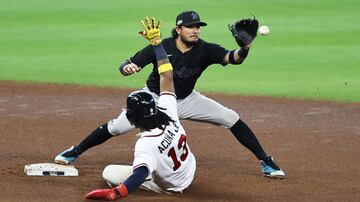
174,33
159,120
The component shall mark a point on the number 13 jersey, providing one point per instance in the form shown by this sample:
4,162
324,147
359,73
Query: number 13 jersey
165,153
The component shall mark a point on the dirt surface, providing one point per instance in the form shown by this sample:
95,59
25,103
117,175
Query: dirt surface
316,143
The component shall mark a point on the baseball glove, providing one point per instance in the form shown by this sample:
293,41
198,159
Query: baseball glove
244,31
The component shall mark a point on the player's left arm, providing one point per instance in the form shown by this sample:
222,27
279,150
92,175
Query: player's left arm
167,97
152,33
237,56
244,31
219,55
123,190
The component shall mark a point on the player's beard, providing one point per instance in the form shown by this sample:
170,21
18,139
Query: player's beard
187,42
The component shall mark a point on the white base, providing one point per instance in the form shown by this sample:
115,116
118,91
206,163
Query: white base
50,169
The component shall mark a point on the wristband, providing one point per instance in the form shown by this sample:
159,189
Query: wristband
164,68
243,52
231,57
121,191
121,68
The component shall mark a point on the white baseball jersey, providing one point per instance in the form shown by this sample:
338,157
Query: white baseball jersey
165,153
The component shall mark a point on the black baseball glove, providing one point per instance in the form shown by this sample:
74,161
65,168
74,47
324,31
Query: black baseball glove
244,31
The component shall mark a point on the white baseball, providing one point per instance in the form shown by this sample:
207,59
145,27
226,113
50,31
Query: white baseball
264,30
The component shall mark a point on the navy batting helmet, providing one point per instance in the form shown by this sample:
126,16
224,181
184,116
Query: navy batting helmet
140,105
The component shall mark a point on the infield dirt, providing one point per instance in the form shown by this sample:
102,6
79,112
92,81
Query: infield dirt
315,142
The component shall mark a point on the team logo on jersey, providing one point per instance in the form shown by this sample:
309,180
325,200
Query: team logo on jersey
184,72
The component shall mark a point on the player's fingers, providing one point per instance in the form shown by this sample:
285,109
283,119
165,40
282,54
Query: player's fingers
144,25
131,69
133,65
148,24
158,25
137,69
127,70
153,22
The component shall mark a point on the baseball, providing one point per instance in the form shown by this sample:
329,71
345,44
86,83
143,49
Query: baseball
264,30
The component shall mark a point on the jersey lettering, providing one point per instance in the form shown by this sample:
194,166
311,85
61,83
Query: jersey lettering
186,72
172,154
166,142
176,127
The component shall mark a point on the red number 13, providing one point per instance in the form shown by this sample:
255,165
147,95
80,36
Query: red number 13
184,154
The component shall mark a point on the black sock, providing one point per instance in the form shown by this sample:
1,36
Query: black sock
246,137
98,136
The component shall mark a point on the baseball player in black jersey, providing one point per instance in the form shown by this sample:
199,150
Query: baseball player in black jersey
189,56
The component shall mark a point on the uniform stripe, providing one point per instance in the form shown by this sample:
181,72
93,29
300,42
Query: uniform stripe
168,93
141,164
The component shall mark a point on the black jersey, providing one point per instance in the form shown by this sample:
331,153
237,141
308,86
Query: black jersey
187,66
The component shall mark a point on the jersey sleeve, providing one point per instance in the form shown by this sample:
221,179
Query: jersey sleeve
143,157
144,57
137,178
167,104
216,53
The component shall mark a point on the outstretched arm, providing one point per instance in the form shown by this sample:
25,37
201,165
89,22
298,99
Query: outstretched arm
164,69
153,34
237,56
131,184
244,31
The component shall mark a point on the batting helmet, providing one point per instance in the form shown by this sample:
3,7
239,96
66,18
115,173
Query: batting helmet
140,105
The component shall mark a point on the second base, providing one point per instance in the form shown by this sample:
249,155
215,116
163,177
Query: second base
50,169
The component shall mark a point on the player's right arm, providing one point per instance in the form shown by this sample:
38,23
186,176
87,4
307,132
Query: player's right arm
137,62
237,56
152,33
128,68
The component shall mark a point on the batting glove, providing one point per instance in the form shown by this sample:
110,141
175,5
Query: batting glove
151,31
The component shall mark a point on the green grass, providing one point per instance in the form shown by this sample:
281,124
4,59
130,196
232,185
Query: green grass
311,52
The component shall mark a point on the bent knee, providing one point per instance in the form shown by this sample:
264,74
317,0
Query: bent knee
116,174
108,173
120,125
229,118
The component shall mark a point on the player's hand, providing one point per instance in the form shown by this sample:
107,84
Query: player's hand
151,31
244,31
131,68
106,194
